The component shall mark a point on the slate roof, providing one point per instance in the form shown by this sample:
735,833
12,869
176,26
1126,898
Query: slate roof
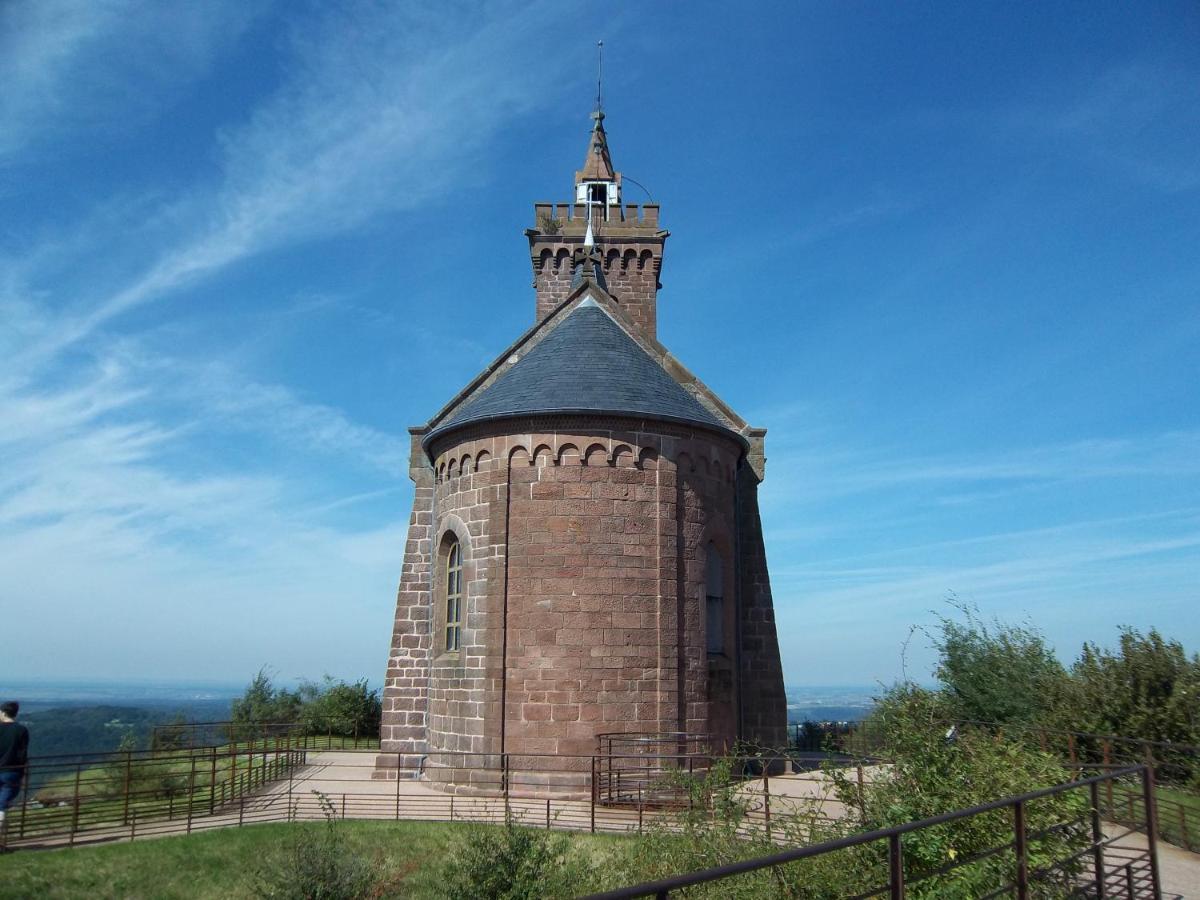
587,363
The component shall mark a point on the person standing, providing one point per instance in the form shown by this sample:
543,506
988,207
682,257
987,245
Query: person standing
14,755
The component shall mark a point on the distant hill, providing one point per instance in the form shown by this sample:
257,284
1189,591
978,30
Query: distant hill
825,703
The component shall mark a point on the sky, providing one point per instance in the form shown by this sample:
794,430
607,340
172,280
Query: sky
947,254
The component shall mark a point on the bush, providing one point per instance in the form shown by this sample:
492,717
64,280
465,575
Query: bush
997,673
263,703
314,863
933,771
324,707
714,826
511,862
335,707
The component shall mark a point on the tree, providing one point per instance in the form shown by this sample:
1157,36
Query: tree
263,703
998,673
1148,688
336,707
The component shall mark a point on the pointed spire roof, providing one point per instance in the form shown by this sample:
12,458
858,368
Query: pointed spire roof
597,166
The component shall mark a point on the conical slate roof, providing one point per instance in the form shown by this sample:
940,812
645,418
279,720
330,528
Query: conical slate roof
586,364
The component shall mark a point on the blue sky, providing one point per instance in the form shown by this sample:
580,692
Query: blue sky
945,253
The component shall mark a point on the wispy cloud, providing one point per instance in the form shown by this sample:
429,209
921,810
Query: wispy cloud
382,111
98,65
131,472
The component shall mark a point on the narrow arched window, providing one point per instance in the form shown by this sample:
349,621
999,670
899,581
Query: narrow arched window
453,595
714,579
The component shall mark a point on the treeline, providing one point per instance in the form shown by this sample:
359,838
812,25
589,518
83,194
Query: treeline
1147,687
328,706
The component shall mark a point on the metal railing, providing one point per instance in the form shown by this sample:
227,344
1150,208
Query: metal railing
128,796
273,782
1176,765
1102,868
635,768
318,731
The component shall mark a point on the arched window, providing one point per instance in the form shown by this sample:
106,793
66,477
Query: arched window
453,596
714,579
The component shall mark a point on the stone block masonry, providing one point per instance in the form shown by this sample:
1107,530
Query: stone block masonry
584,555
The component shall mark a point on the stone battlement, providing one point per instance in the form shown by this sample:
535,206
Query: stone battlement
572,217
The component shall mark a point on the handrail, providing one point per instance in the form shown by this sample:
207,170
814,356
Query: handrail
664,886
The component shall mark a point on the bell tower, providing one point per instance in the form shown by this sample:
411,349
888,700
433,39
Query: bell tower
628,239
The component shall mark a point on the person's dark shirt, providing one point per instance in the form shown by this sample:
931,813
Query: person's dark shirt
14,745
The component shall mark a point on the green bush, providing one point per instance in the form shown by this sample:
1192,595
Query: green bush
932,771
318,707
996,672
335,707
715,825
512,862
314,863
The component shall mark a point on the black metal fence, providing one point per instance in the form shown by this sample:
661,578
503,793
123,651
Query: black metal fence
128,796
1104,866
1176,765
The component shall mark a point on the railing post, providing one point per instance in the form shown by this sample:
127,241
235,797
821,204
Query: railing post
1098,842
191,792
767,801
595,790
398,761
24,811
1129,881
639,809
547,813
1108,785
862,796
1151,827
1020,842
75,806
895,867
291,776
128,785
212,783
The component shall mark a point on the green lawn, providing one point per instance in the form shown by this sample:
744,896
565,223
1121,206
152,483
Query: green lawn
218,864
1178,812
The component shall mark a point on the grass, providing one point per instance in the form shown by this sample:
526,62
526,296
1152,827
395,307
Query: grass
1178,812
220,864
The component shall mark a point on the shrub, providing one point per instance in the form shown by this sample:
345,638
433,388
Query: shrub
715,826
335,707
996,672
314,863
512,862
931,771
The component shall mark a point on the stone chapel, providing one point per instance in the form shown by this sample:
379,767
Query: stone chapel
584,554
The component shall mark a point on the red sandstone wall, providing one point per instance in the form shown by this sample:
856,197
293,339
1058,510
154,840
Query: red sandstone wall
764,704
595,539
631,275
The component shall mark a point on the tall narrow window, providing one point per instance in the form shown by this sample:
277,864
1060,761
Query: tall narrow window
714,578
453,596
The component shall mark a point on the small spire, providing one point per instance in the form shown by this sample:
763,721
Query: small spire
598,164
589,240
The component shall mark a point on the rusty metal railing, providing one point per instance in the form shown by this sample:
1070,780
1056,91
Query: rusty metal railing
1102,869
